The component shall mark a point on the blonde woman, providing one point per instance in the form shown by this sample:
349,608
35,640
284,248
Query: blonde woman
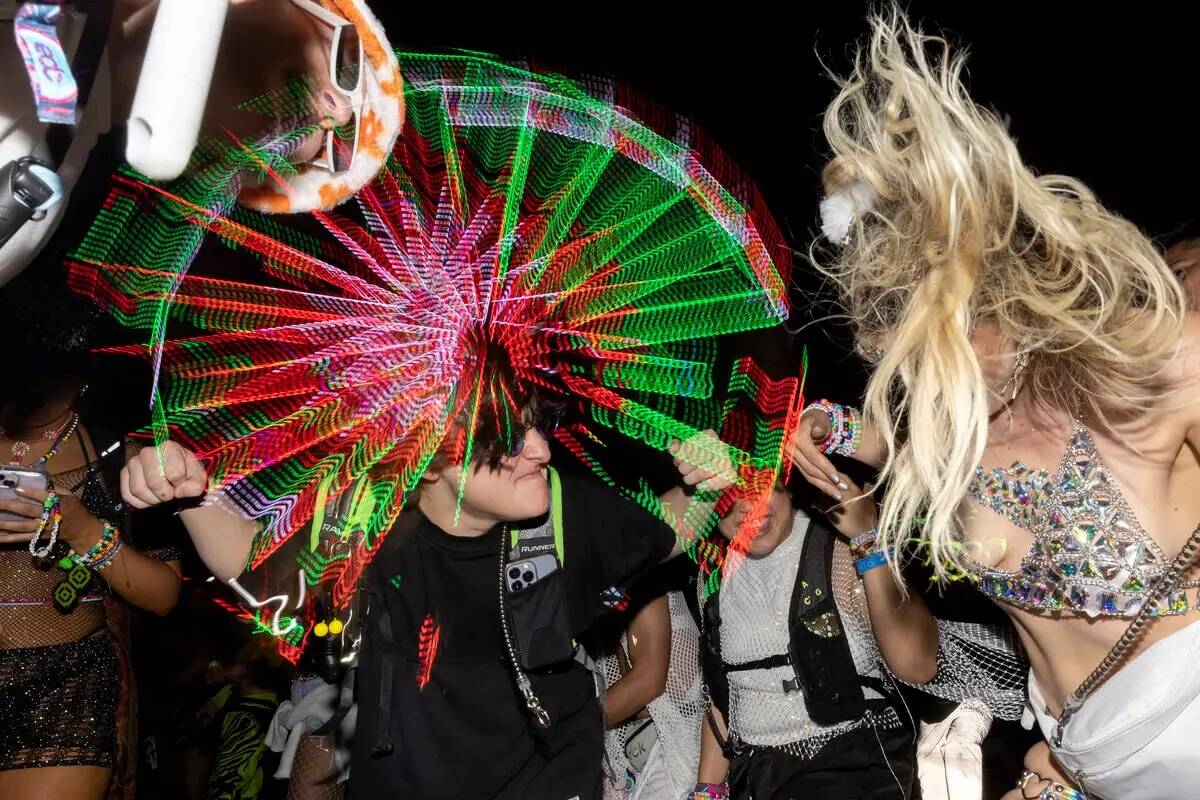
1033,410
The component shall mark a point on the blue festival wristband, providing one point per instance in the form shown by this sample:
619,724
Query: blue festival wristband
868,563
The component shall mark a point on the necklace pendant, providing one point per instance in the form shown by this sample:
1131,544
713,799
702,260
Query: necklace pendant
19,451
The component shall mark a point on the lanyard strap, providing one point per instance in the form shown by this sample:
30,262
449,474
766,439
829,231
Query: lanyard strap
46,63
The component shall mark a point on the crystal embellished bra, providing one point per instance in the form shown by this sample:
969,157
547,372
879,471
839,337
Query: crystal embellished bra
1090,555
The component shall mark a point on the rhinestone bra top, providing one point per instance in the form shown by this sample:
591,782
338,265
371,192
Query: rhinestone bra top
1090,555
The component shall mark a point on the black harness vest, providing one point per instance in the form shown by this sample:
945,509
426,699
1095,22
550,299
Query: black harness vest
818,650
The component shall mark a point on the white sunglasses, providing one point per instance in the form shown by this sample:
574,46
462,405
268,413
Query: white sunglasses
345,74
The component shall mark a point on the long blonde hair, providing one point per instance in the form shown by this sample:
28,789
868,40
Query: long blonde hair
963,231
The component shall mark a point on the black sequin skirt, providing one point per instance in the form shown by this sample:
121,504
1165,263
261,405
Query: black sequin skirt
58,704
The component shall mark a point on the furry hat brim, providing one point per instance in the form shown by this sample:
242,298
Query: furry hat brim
313,188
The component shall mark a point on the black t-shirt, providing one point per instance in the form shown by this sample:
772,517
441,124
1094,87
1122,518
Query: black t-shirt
465,733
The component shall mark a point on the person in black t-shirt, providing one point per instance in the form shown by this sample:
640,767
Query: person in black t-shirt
439,712
462,730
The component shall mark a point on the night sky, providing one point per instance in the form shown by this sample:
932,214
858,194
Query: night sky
1105,96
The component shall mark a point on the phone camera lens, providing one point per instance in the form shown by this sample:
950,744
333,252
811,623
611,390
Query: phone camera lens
528,576
514,573
517,586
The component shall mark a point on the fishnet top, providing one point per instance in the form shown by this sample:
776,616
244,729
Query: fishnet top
28,617
676,712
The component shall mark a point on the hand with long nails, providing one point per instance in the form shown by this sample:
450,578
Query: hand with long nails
805,450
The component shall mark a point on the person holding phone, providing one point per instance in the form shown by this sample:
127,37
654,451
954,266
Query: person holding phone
63,673
60,670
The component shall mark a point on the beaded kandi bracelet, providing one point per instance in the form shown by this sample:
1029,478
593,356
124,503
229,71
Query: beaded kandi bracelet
862,544
104,547
106,559
845,428
711,791
80,569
